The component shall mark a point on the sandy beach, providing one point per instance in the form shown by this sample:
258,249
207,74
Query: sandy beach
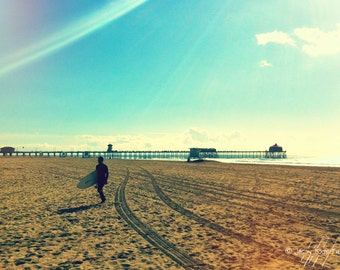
168,215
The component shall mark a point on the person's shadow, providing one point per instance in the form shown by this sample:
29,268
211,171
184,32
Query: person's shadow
77,209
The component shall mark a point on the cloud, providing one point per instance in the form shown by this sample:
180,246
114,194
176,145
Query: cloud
195,135
192,137
274,37
265,63
235,135
317,42
311,41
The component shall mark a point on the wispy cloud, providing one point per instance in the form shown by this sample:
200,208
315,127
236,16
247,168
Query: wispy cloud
311,41
274,37
70,34
265,63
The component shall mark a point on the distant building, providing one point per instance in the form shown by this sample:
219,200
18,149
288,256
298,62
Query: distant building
275,151
275,148
200,153
7,150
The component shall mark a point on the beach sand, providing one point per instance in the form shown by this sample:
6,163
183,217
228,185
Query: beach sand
168,215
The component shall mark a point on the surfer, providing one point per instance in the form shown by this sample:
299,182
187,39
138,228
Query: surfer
102,176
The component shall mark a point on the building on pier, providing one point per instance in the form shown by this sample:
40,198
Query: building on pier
109,148
7,150
275,151
201,153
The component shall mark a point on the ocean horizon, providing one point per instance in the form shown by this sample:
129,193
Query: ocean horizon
322,161
290,160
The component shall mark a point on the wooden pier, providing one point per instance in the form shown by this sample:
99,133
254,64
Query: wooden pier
105,154
175,154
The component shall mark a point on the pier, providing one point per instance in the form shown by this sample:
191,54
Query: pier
251,154
171,154
111,155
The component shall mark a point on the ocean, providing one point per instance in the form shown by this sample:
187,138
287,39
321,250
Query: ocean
325,161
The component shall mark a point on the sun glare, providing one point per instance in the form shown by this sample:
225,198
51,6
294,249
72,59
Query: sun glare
70,34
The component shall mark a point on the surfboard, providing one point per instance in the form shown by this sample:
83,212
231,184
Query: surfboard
88,181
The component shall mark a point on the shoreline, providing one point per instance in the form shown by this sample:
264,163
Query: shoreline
243,161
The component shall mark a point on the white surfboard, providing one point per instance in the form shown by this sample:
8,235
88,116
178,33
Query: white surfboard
88,181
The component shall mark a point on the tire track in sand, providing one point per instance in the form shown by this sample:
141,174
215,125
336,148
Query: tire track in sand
216,227
169,249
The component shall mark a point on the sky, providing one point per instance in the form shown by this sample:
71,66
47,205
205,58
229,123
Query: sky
170,75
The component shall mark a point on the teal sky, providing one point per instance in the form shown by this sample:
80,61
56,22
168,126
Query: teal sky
234,75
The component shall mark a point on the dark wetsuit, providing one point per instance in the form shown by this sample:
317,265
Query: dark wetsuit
102,176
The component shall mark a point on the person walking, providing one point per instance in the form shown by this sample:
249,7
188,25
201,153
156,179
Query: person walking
102,176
